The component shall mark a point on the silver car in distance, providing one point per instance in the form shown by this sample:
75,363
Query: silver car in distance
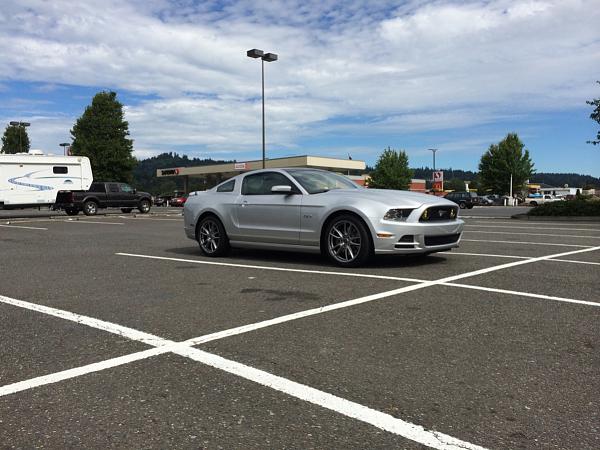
318,211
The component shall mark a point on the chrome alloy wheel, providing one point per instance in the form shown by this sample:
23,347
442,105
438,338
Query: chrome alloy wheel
209,236
344,241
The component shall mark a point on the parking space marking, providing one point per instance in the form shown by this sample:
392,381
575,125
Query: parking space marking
24,227
302,392
532,234
492,255
593,226
526,243
529,228
345,407
278,269
523,294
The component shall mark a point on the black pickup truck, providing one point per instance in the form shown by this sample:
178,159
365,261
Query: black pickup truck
103,195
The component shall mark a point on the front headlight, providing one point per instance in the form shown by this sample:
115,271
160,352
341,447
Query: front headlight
399,215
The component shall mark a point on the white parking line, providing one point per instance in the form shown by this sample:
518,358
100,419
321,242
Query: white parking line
90,221
25,228
526,243
529,228
354,410
491,255
532,234
278,269
350,409
593,226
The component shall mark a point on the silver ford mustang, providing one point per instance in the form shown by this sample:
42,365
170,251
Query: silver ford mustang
319,211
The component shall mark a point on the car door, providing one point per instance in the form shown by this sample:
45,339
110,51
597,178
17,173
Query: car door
126,195
264,216
112,194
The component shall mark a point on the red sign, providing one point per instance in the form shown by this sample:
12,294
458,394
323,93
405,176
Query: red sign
438,176
438,186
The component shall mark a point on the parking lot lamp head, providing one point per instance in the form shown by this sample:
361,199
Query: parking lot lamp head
268,57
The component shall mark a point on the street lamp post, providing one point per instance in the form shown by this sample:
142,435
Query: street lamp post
269,57
20,125
64,145
433,150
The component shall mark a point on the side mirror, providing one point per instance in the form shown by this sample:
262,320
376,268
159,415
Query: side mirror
281,189
134,190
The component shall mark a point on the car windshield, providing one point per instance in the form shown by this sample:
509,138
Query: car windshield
317,181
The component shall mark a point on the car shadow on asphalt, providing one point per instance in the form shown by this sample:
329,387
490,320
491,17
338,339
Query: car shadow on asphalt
269,257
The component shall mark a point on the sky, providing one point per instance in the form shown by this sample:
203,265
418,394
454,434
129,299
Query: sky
353,76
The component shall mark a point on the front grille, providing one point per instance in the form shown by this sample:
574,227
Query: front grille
439,213
441,240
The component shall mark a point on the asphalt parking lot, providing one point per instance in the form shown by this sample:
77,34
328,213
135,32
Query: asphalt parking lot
117,333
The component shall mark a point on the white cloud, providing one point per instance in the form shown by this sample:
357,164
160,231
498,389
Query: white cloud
415,66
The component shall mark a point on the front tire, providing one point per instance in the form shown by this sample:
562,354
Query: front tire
212,237
462,205
71,211
346,241
90,208
144,206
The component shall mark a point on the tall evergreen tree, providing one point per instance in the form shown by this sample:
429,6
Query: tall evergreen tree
391,170
101,134
595,115
503,160
15,139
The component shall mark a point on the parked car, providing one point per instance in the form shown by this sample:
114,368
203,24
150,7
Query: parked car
103,195
318,211
178,201
490,200
463,199
534,200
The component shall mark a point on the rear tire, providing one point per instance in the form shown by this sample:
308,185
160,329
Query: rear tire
90,208
212,237
346,241
462,205
71,211
533,203
144,206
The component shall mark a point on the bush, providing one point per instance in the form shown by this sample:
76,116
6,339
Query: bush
577,207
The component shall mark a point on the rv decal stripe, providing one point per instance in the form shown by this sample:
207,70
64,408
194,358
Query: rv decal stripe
39,187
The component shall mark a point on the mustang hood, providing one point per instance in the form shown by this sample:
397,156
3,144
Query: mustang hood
392,198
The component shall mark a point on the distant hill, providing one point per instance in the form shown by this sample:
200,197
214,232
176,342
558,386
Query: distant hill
145,179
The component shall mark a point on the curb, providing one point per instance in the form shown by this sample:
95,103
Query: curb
556,218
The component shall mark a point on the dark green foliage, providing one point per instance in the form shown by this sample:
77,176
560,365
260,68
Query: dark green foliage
578,207
595,115
391,171
500,161
144,174
15,140
101,134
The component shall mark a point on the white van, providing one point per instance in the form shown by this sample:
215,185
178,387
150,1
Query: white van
33,179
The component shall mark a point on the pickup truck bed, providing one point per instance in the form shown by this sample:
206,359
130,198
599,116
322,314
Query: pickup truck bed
103,195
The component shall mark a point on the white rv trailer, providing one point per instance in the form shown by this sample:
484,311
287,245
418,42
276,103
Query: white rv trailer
33,179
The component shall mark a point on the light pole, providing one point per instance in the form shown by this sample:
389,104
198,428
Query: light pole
269,57
21,125
433,150
64,145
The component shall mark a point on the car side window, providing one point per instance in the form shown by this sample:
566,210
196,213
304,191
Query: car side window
227,187
113,187
97,187
126,188
261,183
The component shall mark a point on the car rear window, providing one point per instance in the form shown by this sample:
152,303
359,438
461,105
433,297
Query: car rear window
227,187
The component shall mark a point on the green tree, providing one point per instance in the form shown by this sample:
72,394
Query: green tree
595,115
101,134
502,160
15,139
391,171
455,184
